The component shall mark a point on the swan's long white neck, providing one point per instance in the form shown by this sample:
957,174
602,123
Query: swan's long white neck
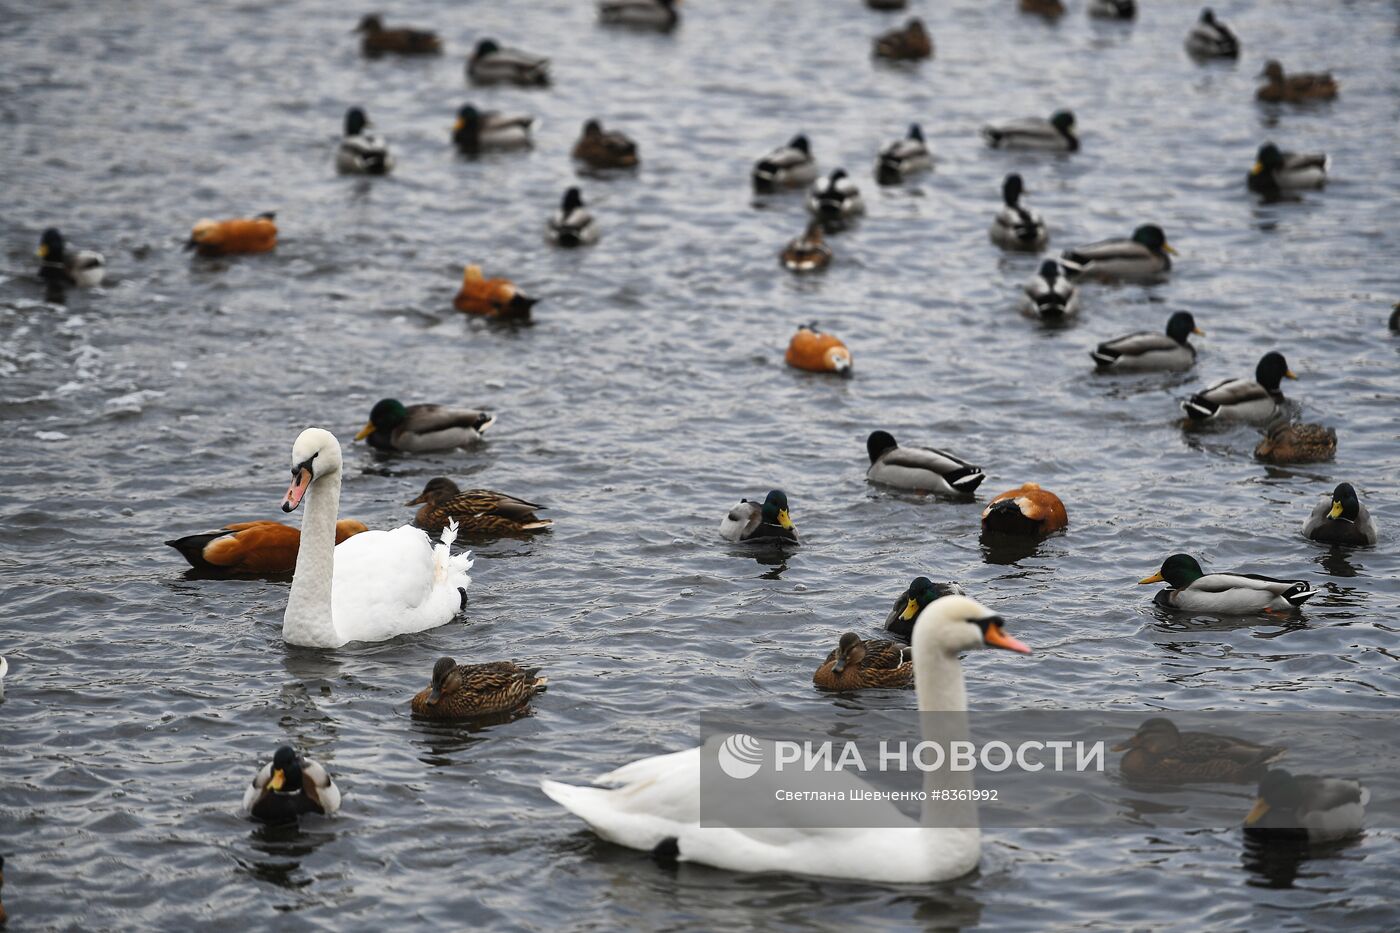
942,699
308,619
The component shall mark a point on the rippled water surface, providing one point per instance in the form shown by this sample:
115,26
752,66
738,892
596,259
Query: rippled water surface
648,398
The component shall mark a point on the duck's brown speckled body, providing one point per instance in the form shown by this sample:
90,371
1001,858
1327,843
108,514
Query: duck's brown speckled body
463,691
857,664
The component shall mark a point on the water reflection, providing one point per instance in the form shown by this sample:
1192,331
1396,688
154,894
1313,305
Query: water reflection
442,743
1337,562
1276,861
999,548
281,849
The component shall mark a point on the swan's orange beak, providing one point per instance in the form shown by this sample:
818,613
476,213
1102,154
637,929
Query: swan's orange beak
301,481
994,637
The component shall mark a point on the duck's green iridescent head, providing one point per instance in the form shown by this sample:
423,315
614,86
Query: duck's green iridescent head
1182,325
1345,505
1272,369
387,414
1268,159
1278,789
1179,571
51,245
921,593
1152,236
1062,120
775,509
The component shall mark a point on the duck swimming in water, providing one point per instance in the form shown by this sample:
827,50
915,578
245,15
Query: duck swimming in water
1224,592
360,151
1142,257
1257,400
1148,352
61,265
1016,226
1055,134
857,664
289,786
789,166
1341,519
766,521
420,428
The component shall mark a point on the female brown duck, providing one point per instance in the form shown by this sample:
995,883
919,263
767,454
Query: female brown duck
476,511
461,691
1158,752
857,664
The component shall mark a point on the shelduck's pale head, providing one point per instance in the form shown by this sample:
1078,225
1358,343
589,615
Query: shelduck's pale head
315,454
955,624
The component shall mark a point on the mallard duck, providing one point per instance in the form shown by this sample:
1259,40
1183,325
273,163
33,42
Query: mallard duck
1056,133
361,152
1323,809
921,592
492,64
1159,753
1226,592
1275,171
909,43
1050,9
493,298
375,39
476,511
1210,38
475,130
1017,227
835,197
790,166
808,252
463,691
1341,519
857,664
903,157
241,235
602,148
60,265
1297,443
288,786
653,14
1256,399
1148,352
418,428
1113,9
1026,511
1142,257
752,521
1050,294
923,468
1295,88
251,548
573,224
816,352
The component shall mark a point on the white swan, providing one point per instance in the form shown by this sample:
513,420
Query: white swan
391,583
657,800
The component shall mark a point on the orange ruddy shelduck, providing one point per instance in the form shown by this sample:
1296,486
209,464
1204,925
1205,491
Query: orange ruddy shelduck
1027,510
261,547
816,352
240,235
496,298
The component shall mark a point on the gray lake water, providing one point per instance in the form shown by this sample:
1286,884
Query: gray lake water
647,399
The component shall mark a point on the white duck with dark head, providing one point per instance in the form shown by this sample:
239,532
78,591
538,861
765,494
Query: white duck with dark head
392,583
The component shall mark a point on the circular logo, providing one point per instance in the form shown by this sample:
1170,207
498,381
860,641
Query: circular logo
740,756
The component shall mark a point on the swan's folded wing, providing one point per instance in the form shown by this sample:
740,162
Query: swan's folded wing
385,585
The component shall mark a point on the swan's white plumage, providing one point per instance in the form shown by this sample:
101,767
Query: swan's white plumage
654,799
396,583
392,583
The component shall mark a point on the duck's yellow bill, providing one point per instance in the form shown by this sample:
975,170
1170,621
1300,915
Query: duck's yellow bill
1198,332
1155,578
785,520
457,127
1258,169
1290,374
1168,247
1261,807
365,432
43,251
278,779
911,609
1336,510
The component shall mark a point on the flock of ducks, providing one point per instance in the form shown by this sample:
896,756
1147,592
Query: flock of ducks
350,583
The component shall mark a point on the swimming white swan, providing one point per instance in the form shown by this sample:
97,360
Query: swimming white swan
391,583
656,801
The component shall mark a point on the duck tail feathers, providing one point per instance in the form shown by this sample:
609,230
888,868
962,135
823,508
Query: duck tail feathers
1198,409
1299,594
